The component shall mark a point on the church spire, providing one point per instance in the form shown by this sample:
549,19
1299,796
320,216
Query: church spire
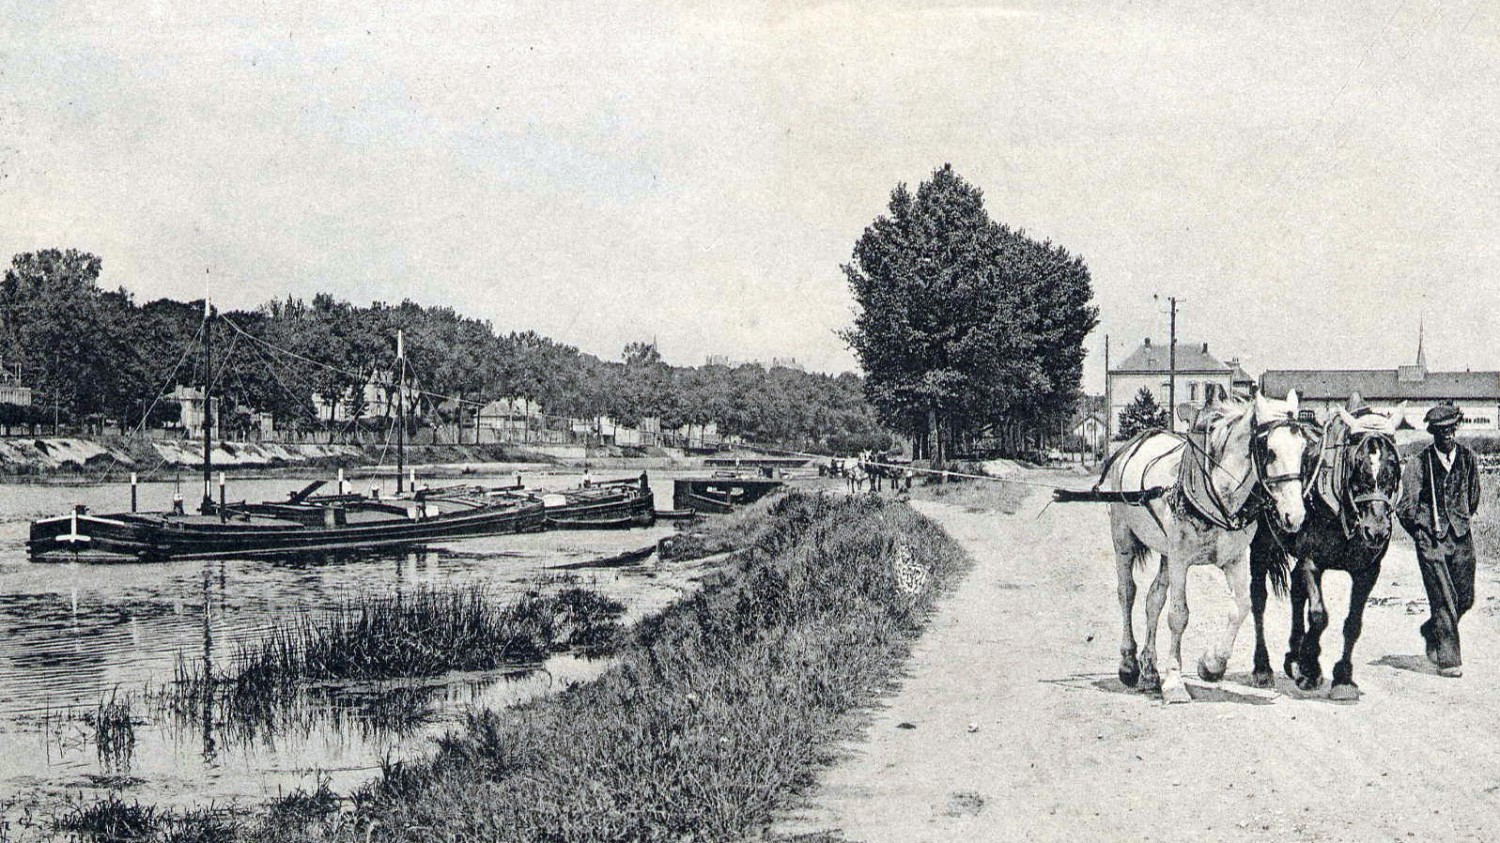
1421,355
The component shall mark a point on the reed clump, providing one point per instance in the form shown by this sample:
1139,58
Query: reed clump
424,633
311,666
113,725
113,820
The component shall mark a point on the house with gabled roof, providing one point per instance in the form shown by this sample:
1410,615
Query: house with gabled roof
1152,367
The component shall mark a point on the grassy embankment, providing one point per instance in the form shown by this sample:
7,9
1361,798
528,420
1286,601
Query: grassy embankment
718,711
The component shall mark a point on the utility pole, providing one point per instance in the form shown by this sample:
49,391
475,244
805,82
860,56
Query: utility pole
1109,399
1172,370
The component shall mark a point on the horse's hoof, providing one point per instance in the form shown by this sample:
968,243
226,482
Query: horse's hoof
1175,693
1211,668
1309,683
1263,678
1344,693
1289,664
1150,681
1451,672
1130,677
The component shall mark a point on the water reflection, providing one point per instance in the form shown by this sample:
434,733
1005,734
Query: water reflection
75,634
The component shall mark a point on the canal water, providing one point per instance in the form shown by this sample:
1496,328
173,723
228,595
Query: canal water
73,636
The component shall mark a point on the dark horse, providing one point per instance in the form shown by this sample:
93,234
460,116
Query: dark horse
1354,473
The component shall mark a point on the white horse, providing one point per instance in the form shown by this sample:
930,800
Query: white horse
1248,444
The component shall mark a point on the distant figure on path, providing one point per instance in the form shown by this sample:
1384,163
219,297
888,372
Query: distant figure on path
1440,491
857,478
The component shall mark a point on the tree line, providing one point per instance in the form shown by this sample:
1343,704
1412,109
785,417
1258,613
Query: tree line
93,354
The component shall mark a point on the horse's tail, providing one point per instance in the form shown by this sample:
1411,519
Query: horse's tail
1139,554
1269,559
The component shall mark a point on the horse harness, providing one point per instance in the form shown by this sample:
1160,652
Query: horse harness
1218,512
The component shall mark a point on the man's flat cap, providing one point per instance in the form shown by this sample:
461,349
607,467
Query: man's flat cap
1443,415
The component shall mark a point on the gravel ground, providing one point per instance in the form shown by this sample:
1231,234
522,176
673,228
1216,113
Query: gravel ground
1012,725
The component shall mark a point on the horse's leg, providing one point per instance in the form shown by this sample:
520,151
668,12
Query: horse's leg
1156,598
1298,596
1343,672
1263,678
1211,665
1172,688
1127,549
1317,621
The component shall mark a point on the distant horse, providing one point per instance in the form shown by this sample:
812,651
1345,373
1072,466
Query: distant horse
1355,475
1245,445
857,478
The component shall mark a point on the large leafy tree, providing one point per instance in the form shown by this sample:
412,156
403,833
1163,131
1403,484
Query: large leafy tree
964,324
78,346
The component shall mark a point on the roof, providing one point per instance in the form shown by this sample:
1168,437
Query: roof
1381,384
1080,421
1241,376
1191,357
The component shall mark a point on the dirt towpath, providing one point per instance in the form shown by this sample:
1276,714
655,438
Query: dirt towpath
1013,726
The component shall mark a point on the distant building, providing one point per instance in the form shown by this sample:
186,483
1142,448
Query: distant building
1150,367
512,417
1090,428
1475,394
12,390
735,362
376,399
190,416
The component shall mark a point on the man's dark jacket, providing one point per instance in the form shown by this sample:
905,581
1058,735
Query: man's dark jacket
1457,492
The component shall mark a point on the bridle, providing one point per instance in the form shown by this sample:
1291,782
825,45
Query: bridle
1260,452
1360,445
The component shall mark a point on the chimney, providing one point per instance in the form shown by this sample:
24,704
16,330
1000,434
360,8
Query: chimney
1205,348
1148,342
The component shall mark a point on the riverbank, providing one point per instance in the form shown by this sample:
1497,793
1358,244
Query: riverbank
718,710
70,459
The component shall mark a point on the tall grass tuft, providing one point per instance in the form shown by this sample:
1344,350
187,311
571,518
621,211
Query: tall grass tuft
114,730
722,707
426,633
113,820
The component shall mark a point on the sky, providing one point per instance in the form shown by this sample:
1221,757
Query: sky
1311,183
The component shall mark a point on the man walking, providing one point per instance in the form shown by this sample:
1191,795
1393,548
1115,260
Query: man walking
1440,491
